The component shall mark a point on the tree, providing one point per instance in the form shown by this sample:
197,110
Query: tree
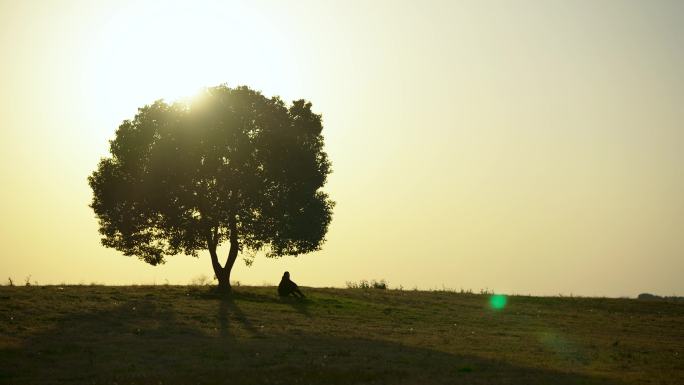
230,166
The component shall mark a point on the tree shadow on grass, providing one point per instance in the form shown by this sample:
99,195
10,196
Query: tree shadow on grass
227,307
301,305
143,342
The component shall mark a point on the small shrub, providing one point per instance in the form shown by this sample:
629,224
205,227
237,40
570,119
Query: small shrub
364,284
27,281
200,280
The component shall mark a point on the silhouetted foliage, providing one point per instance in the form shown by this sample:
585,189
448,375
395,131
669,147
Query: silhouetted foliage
231,165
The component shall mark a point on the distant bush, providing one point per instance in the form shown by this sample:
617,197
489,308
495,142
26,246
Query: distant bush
364,284
200,280
653,297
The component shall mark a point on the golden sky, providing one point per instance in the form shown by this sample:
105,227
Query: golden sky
520,146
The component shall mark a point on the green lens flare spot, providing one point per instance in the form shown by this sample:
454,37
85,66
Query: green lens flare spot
497,301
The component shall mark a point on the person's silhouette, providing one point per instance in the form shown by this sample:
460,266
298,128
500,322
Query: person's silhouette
288,287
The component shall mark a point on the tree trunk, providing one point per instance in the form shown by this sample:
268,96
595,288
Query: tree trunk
223,276
233,252
223,272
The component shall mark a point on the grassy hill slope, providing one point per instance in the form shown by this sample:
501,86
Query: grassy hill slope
188,335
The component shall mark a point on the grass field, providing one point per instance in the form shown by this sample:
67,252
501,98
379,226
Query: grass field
189,335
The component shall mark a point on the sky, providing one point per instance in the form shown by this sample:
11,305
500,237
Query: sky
521,147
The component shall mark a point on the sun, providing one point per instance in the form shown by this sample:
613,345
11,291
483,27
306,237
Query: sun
146,52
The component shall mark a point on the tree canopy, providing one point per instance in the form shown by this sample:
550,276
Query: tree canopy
230,166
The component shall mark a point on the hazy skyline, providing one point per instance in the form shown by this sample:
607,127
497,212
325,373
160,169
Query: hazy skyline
520,146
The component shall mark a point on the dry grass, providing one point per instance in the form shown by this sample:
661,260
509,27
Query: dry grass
189,335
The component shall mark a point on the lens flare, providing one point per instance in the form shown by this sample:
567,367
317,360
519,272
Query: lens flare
497,301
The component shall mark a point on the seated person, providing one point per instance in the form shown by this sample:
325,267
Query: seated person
288,287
